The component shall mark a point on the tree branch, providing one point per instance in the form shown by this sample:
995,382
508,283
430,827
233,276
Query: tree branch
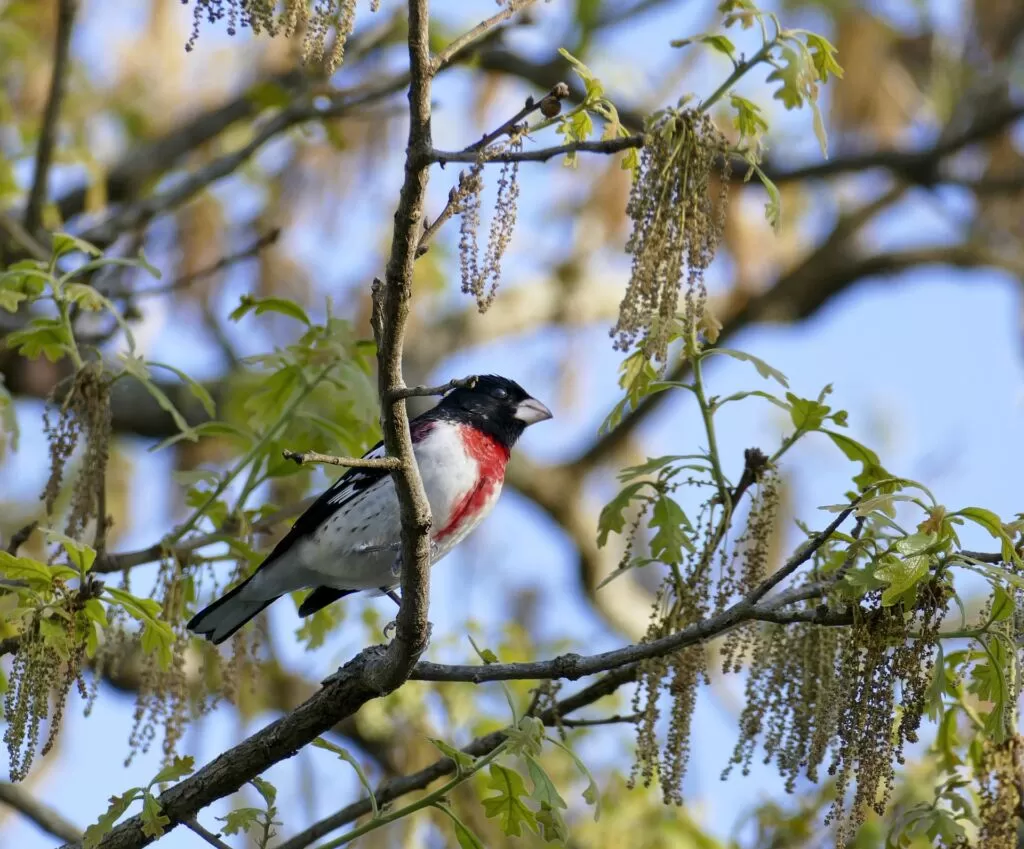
467,39
186,280
66,11
390,315
921,167
390,790
427,391
18,798
301,457
606,146
211,838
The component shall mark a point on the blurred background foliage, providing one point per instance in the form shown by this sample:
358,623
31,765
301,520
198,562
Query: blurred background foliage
239,169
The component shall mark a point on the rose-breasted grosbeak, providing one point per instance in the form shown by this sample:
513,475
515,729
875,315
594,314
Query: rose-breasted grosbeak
350,537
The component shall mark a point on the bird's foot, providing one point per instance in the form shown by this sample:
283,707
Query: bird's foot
390,628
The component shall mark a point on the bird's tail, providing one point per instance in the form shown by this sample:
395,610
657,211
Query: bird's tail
230,612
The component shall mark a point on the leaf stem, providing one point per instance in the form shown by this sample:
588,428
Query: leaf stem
250,455
424,802
741,69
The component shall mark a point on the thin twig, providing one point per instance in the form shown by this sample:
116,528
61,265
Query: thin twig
606,146
225,261
392,789
21,536
18,798
558,93
66,11
426,391
605,720
454,198
301,457
469,38
801,556
214,840
22,238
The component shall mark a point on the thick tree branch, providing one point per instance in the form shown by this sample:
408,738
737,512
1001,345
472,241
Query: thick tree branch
66,11
392,789
390,315
922,167
573,666
17,797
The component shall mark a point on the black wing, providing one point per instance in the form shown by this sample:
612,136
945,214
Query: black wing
343,490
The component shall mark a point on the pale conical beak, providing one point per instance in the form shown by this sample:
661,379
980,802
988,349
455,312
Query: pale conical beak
532,411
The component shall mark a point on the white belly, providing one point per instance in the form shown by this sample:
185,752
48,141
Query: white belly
357,548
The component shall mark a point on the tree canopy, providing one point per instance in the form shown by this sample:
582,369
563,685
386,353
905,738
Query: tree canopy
230,232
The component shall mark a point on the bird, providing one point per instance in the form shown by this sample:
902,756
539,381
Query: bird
349,539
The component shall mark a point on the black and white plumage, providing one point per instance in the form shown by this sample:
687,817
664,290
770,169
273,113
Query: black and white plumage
349,538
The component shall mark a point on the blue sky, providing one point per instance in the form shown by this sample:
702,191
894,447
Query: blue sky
929,365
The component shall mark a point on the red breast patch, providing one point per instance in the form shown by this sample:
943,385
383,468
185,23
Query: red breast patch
491,457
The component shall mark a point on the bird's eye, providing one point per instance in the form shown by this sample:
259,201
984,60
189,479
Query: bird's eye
499,392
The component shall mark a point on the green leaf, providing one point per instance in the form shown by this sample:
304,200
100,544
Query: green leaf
346,756
36,574
465,837
988,682
153,818
916,543
177,769
715,41
158,639
463,761
84,295
994,525
653,464
197,389
668,543
527,737
818,123
792,88
772,209
138,369
64,243
552,825
806,414
115,810
42,336
142,609
80,554
241,820
766,371
1002,605
267,790
9,299
901,575
269,95
612,518
823,55
591,795
508,806
263,305
544,790
749,120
